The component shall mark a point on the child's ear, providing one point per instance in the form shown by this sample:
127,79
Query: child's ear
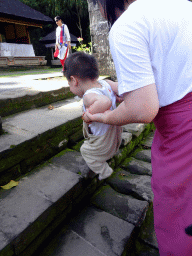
74,80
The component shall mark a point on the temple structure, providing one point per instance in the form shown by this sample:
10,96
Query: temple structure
16,19
99,31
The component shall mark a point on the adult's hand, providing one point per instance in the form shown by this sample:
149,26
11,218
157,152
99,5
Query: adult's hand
99,117
69,45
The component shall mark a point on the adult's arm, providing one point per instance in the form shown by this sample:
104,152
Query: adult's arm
68,38
139,106
56,42
114,87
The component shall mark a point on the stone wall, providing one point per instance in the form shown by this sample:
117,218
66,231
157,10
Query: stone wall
99,31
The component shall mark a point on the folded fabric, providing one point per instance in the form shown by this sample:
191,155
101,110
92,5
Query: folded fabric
56,53
62,52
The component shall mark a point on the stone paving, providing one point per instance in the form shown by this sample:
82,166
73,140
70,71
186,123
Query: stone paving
114,221
14,87
55,209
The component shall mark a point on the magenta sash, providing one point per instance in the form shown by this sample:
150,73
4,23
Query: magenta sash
172,177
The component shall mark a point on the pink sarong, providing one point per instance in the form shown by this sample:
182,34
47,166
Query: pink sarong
172,177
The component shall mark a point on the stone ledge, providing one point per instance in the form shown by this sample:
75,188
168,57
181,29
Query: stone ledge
143,155
136,128
137,186
1,129
100,229
126,149
15,105
21,158
60,202
120,205
34,136
22,61
39,199
135,166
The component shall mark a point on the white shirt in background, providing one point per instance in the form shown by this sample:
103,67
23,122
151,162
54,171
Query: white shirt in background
66,33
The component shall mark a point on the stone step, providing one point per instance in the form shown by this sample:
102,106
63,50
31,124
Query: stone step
25,92
46,199
21,93
40,202
92,232
118,221
36,135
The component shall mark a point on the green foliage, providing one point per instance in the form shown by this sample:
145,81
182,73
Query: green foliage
80,9
83,47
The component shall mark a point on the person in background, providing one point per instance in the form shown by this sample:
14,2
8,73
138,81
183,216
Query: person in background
151,45
102,141
63,40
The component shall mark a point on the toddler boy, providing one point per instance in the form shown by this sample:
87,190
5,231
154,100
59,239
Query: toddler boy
102,141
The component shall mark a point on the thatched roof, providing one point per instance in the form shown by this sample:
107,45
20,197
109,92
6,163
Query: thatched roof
51,37
15,9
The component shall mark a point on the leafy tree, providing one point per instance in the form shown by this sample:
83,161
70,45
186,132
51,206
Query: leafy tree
80,9
73,12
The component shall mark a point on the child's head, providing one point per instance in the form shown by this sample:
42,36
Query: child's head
82,66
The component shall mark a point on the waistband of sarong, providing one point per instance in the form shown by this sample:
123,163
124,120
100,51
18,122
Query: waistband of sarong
174,113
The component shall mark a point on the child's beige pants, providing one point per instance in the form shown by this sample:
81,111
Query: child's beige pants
96,150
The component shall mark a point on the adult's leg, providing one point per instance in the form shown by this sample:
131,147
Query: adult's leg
172,179
63,61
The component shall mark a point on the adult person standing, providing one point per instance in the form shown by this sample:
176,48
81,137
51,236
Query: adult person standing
63,40
151,45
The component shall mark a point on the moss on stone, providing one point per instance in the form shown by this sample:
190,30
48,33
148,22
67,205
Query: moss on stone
75,137
111,163
78,146
126,161
147,223
13,106
99,191
120,156
32,152
11,174
63,152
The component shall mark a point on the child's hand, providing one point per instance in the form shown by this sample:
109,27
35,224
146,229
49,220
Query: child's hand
100,117
85,118
119,99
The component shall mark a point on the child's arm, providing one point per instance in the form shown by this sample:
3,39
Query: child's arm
114,87
96,103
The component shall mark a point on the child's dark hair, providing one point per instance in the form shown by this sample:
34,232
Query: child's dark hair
81,65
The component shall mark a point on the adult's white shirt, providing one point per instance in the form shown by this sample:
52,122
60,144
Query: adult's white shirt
66,33
151,42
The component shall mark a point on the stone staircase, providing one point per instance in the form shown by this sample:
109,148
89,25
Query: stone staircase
54,209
